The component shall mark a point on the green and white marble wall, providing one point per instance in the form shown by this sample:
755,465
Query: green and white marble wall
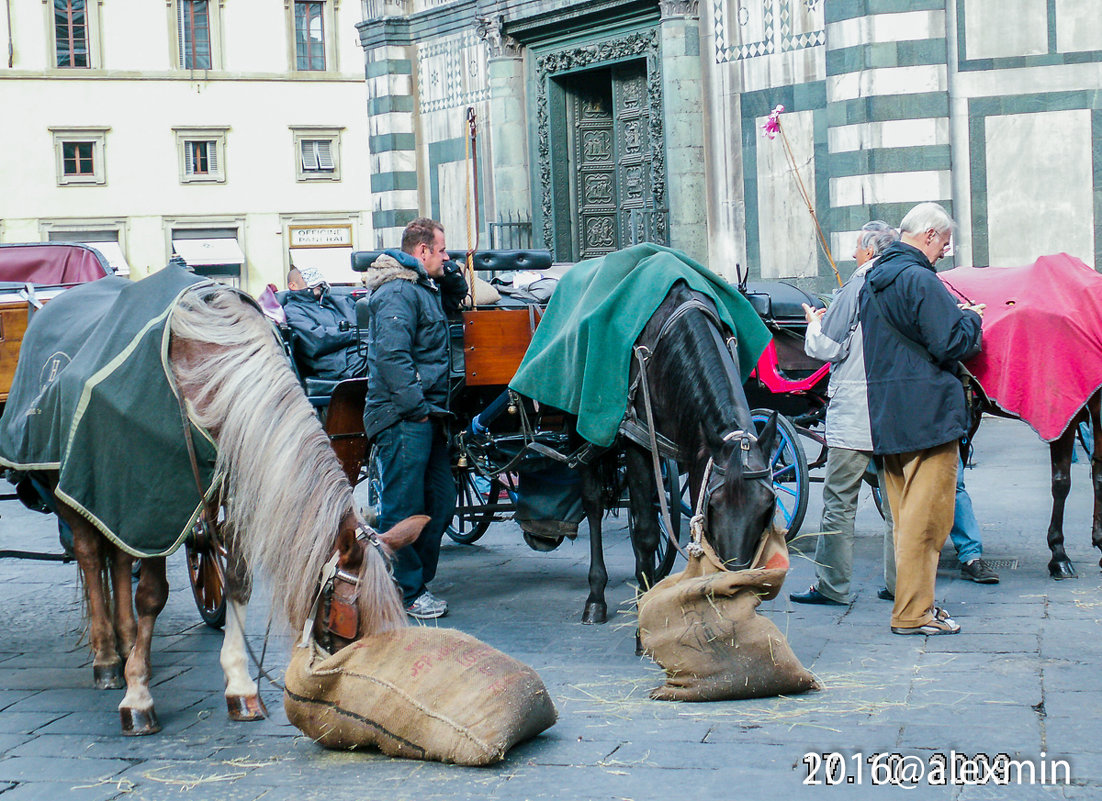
1027,109
452,77
762,53
888,114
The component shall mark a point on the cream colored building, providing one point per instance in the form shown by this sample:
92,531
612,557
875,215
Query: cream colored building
232,133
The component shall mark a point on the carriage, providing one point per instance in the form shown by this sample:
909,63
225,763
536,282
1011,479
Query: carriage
498,435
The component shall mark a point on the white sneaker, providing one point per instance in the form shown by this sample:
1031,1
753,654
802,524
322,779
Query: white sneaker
427,606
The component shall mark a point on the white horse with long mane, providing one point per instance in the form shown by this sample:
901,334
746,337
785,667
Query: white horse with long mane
288,507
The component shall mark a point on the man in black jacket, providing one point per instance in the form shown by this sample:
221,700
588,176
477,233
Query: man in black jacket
914,334
326,345
406,404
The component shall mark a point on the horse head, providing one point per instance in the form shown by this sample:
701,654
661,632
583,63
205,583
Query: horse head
738,495
344,610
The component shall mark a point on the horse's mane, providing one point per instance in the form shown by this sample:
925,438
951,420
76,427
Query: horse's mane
286,493
693,375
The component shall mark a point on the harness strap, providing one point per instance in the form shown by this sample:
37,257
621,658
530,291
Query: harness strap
639,355
328,572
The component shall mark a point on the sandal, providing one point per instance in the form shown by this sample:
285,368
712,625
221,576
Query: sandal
940,624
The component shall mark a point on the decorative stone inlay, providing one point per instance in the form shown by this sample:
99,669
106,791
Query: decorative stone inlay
452,73
679,8
771,21
642,44
498,43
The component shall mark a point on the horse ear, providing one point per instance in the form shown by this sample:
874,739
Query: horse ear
768,434
405,532
351,550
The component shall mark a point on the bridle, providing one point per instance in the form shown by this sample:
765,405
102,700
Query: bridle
699,521
337,600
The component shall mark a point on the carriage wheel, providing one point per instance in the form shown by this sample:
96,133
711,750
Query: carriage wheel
677,496
476,504
873,481
206,568
790,473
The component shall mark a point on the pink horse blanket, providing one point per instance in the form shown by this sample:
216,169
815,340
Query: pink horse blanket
1042,337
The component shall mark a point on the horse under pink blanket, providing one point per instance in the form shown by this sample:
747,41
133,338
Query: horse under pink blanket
1042,337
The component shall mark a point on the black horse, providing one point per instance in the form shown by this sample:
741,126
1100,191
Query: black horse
1060,451
691,376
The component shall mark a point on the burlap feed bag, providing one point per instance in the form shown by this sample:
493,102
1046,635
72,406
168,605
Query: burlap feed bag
702,627
419,693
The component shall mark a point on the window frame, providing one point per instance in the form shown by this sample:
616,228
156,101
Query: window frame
216,136
214,34
329,32
96,136
91,34
311,133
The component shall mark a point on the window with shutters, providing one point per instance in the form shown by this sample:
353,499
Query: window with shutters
197,25
317,153
79,154
202,153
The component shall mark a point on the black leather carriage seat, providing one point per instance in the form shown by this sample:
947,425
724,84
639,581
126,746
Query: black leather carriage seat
491,261
780,301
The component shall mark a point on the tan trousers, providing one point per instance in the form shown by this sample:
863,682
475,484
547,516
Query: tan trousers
921,488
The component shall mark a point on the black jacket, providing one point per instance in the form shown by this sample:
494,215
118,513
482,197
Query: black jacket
914,403
407,344
322,349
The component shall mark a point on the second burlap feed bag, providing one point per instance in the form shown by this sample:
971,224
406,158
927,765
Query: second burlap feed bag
702,627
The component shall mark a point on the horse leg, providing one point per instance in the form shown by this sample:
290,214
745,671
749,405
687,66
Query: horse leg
89,547
1093,407
122,584
1060,567
596,611
642,500
645,533
243,701
136,708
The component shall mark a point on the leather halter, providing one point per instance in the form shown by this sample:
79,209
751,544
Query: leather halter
337,600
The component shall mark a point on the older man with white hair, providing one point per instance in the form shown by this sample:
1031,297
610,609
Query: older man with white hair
914,333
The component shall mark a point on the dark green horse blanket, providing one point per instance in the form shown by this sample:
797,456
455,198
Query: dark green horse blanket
580,356
93,398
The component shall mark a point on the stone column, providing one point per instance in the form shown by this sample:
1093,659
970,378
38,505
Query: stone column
512,193
683,107
389,61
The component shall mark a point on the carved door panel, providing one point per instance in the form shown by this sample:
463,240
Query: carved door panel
633,148
594,192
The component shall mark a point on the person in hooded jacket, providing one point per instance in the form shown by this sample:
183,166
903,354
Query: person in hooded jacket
914,333
326,343
406,406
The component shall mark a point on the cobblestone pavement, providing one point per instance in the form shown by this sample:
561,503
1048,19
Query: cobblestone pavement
1021,679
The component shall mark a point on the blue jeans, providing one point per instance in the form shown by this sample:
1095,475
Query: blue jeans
965,533
416,479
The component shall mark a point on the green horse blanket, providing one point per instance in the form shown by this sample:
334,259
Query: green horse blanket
93,398
580,356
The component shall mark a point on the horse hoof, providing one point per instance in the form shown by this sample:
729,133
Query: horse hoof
107,677
594,613
1062,569
246,707
138,722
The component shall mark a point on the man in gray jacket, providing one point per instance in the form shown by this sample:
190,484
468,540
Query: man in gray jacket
406,405
834,335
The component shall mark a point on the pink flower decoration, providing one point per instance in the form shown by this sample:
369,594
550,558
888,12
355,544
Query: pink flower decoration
772,125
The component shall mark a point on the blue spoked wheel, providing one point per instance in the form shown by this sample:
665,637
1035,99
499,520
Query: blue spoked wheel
790,473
